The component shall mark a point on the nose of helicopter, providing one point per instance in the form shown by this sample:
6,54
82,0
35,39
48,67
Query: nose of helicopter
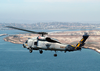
24,46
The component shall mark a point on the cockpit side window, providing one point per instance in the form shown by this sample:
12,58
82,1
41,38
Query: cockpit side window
35,43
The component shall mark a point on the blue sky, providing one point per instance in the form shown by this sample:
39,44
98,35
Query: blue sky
30,11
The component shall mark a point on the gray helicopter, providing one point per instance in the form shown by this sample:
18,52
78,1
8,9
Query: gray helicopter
46,43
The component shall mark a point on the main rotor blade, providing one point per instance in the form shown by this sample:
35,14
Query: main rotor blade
43,33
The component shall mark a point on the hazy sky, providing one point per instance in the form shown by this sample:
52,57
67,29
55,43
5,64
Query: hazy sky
30,11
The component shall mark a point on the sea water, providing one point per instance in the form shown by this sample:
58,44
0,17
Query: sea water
15,58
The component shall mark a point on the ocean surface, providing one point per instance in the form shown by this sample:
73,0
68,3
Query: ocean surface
15,58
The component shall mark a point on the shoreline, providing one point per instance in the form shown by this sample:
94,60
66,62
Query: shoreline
3,35
93,48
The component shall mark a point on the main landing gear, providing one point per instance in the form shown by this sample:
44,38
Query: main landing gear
55,55
40,51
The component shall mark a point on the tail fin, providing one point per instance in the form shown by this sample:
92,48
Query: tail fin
81,42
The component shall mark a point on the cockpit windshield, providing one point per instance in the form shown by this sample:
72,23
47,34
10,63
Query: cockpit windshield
26,41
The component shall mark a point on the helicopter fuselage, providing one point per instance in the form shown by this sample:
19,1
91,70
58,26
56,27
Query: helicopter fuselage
45,44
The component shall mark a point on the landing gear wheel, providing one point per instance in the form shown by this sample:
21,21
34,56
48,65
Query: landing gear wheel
41,51
55,55
65,51
30,50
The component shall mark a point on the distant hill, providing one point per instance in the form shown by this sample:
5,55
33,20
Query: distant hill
51,25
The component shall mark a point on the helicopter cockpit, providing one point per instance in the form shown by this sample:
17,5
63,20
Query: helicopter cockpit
26,41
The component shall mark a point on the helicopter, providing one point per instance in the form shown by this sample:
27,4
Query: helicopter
46,43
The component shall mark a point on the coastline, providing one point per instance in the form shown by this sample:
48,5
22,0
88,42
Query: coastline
93,48
3,35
